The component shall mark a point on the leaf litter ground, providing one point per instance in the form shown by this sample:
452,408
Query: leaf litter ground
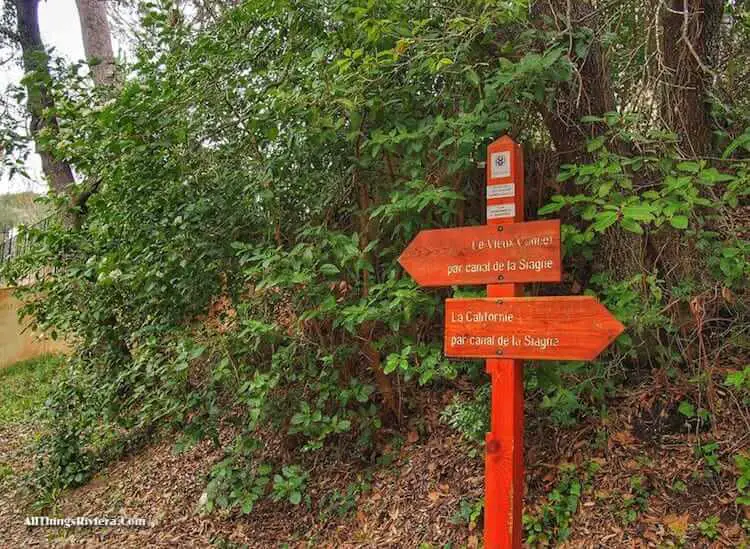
417,494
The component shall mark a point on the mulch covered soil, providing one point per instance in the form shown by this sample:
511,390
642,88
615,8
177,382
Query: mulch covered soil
425,478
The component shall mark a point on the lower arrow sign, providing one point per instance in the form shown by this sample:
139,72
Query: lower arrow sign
541,328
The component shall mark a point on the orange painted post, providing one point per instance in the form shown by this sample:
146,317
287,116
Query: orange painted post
506,327
504,472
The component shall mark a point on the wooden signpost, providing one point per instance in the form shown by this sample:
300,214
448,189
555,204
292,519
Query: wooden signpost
523,252
505,327
538,328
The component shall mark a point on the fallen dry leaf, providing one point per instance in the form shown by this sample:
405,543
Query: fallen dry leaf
624,438
677,524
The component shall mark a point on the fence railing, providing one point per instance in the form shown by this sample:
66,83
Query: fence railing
14,243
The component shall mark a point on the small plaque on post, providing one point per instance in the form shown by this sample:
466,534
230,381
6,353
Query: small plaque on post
505,190
497,211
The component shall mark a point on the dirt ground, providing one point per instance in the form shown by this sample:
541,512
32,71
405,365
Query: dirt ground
418,493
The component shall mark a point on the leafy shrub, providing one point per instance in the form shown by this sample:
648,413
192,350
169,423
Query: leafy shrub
742,462
708,453
550,524
256,179
636,501
740,382
470,417
708,527
289,484
238,271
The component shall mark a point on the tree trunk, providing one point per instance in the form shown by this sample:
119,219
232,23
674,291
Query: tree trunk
40,102
589,93
366,330
97,40
689,32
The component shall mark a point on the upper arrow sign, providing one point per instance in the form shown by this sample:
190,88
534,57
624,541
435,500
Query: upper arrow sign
487,254
542,328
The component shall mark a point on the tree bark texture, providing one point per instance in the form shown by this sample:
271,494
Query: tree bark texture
588,93
689,30
97,40
40,102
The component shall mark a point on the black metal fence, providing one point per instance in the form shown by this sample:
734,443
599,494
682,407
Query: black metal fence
9,244
14,243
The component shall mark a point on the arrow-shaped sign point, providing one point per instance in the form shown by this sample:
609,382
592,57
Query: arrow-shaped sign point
486,254
540,328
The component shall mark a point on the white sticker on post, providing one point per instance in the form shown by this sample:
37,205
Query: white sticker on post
501,191
498,211
500,164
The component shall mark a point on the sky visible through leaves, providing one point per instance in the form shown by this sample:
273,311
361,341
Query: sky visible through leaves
58,20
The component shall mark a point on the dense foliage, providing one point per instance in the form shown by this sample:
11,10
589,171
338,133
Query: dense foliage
260,173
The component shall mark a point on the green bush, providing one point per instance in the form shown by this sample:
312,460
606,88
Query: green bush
259,177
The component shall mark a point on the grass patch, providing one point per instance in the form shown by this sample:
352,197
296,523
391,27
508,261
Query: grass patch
24,386
6,471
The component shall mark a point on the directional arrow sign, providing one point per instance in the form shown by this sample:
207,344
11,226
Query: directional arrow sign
541,328
487,254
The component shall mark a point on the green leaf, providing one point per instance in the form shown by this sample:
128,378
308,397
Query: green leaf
632,226
736,379
639,212
605,189
741,141
197,351
686,409
472,76
595,144
604,220
550,208
295,498
689,167
679,222
329,269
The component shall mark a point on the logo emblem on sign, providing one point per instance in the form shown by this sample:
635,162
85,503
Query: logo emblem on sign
500,164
